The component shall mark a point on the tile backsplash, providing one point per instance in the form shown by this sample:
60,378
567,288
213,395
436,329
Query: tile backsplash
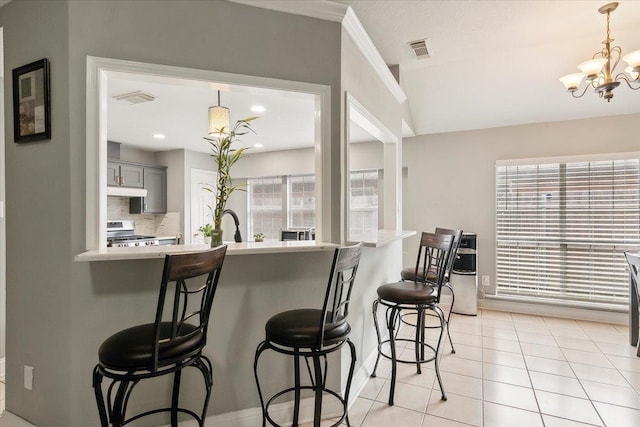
160,225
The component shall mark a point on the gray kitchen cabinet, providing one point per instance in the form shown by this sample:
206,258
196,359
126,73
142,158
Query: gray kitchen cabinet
125,174
155,182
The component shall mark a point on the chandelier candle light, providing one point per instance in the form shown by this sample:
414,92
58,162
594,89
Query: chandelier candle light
599,70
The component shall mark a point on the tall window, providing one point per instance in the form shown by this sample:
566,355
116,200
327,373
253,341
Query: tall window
364,201
265,206
562,228
302,201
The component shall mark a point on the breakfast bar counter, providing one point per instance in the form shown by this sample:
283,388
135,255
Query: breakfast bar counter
244,248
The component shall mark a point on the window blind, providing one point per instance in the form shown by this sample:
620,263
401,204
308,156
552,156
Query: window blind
364,201
562,228
302,201
265,206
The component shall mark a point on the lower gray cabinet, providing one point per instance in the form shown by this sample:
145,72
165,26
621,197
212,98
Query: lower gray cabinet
155,182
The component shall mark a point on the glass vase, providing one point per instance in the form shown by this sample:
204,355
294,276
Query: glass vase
216,237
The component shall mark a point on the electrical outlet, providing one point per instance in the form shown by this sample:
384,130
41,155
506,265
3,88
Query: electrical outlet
485,282
28,377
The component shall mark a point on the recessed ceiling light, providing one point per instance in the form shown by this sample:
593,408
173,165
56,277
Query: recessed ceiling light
258,145
159,136
258,109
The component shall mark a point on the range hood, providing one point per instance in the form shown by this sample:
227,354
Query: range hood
126,192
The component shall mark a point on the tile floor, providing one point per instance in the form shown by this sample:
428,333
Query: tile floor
514,369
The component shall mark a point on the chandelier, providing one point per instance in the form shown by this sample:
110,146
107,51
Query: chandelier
599,71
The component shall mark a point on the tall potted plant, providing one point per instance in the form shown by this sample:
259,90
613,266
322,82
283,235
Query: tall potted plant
225,156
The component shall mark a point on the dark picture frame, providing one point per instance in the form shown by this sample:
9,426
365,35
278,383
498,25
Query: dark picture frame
31,102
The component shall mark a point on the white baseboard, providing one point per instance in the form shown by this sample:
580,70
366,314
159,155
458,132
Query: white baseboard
7,419
593,315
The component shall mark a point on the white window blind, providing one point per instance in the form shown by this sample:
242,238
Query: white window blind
302,201
364,201
562,228
265,206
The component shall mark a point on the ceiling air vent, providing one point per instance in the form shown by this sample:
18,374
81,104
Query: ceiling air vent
137,97
420,48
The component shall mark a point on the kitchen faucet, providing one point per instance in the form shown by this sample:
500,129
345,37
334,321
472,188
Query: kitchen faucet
237,237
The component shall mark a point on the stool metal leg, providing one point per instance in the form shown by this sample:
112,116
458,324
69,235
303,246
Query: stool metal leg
204,365
319,386
97,388
391,319
453,300
352,347
296,404
440,314
375,323
261,347
175,397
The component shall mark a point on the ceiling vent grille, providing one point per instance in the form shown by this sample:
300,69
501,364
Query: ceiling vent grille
420,48
137,97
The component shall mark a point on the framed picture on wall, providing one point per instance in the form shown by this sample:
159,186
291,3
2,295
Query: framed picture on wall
31,102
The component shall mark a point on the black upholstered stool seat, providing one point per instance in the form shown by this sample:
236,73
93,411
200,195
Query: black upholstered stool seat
132,348
408,293
409,273
310,335
301,328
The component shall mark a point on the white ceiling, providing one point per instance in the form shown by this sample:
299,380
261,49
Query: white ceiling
493,63
497,63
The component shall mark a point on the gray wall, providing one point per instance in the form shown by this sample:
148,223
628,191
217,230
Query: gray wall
451,176
59,311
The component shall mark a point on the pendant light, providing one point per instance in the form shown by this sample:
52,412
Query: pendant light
218,120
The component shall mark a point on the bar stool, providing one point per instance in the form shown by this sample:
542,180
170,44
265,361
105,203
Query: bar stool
312,334
415,296
165,346
412,274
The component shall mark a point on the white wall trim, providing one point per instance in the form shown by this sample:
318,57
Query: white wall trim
7,419
98,70
504,304
359,35
321,9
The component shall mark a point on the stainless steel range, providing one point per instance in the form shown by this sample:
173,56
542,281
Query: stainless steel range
122,233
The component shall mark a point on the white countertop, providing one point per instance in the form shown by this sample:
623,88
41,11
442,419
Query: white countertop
381,237
244,248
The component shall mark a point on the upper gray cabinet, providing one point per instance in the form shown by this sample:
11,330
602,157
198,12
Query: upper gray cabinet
155,182
125,174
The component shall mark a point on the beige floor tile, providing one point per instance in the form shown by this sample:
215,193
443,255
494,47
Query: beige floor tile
633,378
568,407
587,358
460,366
358,411
538,350
406,396
626,363
465,328
372,388
550,421
495,314
460,384
613,338
474,340
623,329
575,344
557,384
535,338
559,322
431,421
621,396
532,328
505,374
457,408
549,366
501,324
383,415
618,416
510,395
624,350
503,358
600,327
504,334
527,318
497,415
598,374
576,333
407,373
502,345
468,352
